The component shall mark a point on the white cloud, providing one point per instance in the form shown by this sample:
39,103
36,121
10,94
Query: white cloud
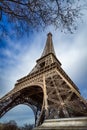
73,56
18,65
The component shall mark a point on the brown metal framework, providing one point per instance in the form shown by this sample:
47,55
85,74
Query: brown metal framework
47,89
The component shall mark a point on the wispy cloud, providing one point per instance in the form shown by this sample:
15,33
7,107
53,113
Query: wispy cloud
71,51
17,60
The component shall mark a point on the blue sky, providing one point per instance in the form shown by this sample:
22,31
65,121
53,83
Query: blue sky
17,58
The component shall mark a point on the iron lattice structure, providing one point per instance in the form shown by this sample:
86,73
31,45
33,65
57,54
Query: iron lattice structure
47,89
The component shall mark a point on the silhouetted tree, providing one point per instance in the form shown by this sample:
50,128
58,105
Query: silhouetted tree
12,125
1,126
27,127
26,14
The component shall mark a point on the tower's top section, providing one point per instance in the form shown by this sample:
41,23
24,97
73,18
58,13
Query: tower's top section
49,48
48,56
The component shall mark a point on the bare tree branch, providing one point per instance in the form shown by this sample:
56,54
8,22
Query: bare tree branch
40,13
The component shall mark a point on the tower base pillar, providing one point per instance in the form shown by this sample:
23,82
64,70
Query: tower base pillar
64,124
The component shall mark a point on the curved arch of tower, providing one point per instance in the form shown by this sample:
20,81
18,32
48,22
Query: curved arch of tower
47,89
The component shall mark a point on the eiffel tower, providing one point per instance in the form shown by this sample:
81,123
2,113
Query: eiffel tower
47,90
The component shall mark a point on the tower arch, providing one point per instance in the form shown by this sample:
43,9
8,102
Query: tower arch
31,96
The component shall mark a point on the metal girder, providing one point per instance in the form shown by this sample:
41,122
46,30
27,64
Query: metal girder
47,90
